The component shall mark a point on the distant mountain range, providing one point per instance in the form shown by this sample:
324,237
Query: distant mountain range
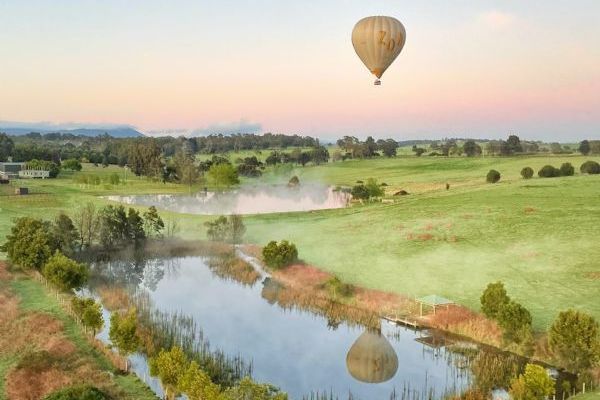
20,129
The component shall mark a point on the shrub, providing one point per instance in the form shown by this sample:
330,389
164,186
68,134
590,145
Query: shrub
534,384
590,167
280,255
374,188
493,176
360,192
337,288
574,338
516,322
123,333
527,173
89,312
494,297
49,166
79,392
567,169
114,179
548,171
72,164
64,273
294,181
29,243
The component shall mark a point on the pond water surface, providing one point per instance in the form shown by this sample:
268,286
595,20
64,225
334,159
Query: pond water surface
296,350
245,200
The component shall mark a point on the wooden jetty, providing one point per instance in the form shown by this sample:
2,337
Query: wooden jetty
405,320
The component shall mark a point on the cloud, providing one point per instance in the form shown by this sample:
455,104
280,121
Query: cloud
228,128
61,126
497,19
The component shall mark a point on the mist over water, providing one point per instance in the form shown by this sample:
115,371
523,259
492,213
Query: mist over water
259,199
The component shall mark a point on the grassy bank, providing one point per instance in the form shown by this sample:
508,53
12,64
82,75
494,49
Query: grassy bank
38,325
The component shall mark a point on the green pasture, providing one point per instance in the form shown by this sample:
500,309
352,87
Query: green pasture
539,236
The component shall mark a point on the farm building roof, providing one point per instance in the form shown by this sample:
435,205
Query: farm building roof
434,300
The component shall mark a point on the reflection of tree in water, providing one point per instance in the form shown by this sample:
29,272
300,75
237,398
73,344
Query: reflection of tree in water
157,269
133,269
493,370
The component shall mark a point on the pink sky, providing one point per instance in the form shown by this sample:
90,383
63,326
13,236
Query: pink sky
481,70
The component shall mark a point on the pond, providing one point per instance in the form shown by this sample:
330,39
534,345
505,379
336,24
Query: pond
304,353
245,200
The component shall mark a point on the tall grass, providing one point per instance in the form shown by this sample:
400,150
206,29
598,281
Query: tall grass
163,330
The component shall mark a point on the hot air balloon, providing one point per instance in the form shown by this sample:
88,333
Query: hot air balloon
378,41
372,358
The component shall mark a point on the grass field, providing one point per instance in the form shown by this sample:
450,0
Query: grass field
539,236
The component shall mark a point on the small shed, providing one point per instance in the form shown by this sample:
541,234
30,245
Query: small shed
434,301
11,169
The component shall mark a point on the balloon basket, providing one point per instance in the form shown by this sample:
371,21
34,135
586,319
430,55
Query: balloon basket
377,82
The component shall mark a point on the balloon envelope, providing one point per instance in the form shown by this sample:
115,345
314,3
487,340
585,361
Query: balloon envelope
378,41
372,358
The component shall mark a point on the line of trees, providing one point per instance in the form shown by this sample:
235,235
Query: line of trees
573,338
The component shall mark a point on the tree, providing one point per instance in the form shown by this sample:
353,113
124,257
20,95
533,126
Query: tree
514,144
360,192
72,164
64,234
237,229
52,167
319,155
493,299
527,173
248,389
64,273
144,157
6,147
135,226
567,169
574,338
153,223
87,223
170,366
123,333
584,147
590,167
304,158
548,171
218,229
389,147
471,149
534,384
223,175
556,148
419,151
113,225
516,322
274,158
29,243
492,176
370,147
89,313
197,385
280,255
186,170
